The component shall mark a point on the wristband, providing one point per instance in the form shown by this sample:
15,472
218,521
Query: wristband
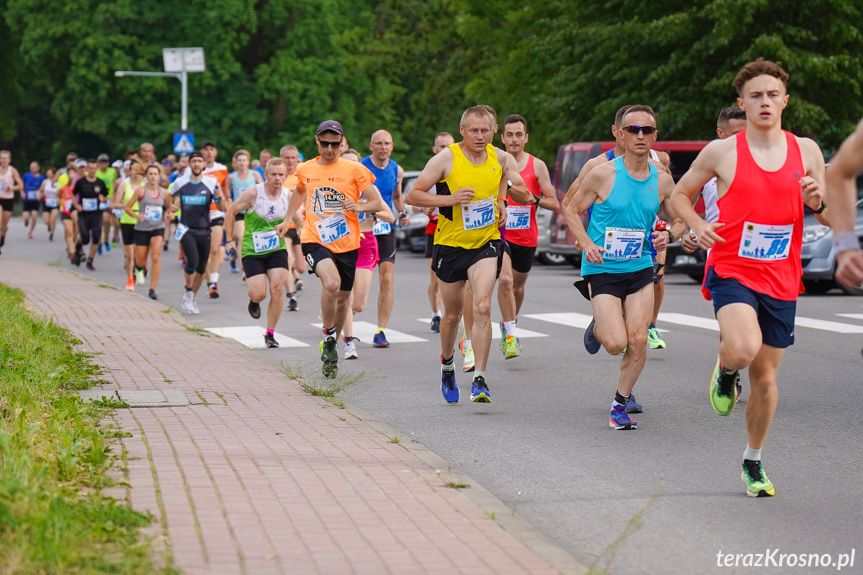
844,242
820,209
671,237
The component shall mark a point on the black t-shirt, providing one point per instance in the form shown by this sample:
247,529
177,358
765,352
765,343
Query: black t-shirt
195,199
88,193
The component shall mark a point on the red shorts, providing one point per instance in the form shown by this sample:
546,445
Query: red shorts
367,256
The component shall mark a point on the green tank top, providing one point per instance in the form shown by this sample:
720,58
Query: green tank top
127,194
260,236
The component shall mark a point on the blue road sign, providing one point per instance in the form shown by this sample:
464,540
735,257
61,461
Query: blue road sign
184,143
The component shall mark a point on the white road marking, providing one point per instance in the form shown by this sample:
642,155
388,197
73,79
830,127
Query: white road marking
366,332
253,336
495,330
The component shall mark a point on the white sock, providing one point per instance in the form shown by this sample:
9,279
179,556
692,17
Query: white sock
751,453
436,314
478,373
509,326
214,278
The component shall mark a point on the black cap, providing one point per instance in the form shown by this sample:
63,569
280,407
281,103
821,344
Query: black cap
208,143
330,126
194,155
103,158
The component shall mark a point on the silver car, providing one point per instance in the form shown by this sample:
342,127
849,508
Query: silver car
819,261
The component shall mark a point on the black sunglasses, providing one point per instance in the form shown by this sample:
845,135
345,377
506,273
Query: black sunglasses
648,130
326,144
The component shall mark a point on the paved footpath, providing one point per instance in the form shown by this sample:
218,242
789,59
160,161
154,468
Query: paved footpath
253,476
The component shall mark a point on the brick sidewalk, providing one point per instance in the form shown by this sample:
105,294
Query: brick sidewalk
255,476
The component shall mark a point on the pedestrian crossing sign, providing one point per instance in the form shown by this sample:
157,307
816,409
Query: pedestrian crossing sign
184,143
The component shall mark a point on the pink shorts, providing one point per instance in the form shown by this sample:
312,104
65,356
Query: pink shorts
367,256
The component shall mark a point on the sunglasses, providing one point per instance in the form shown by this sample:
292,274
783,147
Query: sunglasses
326,144
648,130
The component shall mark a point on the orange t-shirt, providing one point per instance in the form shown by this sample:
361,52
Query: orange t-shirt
324,187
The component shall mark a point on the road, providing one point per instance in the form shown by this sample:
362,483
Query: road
671,489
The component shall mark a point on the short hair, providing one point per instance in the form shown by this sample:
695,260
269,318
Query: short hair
352,151
287,148
618,117
275,162
239,153
137,169
147,144
515,118
728,114
442,135
92,161
638,108
759,67
131,152
154,167
479,111
7,152
71,156
265,150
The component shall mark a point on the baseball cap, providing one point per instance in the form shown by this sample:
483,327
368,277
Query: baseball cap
194,155
127,164
117,164
208,143
330,126
103,158
80,163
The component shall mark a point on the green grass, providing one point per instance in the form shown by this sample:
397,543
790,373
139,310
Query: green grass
308,376
55,458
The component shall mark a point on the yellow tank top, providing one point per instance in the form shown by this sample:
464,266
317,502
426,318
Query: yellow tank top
127,194
474,225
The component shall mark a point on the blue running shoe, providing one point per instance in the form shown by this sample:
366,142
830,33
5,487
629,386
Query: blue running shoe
591,344
479,392
448,386
99,251
107,247
380,340
633,406
619,419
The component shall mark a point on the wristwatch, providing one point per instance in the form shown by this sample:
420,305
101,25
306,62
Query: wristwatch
670,236
534,200
820,208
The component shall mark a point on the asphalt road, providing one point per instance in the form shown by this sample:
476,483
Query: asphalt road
666,498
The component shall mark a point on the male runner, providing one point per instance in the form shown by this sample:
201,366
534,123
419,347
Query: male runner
217,215
764,175
842,173
522,233
264,206
32,181
107,174
625,195
331,188
91,195
195,192
473,177
10,182
238,182
263,157
290,155
388,179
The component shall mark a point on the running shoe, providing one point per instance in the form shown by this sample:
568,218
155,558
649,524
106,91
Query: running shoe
107,247
89,265
152,295
479,392
330,357
298,285
234,269
270,341
195,309
51,237
502,332
76,259
461,346
214,291
139,277
130,284
469,362
380,340
722,390
351,348
435,325
757,484
633,406
654,340
187,301
254,309
619,419
510,347
165,247
99,251
116,241
739,389
30,235
591,344
292,302
448,386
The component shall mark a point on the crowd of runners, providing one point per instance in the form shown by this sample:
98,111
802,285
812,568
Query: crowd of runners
276,217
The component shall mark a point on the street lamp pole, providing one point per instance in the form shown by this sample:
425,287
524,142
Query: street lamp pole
181,76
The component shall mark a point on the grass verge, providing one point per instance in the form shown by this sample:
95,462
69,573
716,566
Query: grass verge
55,458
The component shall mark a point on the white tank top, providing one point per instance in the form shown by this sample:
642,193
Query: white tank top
6,183
711,197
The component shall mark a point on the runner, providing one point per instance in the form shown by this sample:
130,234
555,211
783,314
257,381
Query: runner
146,206
218,171
32,181
10,182
388,179
844,168
473,176
68,212
91,197
194,193
296,262
331,188
264,158
522,233
47,197
764,175
625,195
266,259
238,182
107,174
124,193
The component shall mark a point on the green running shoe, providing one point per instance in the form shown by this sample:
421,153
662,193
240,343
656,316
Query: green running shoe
654,340
723,395
757,484
330,357
510,347
469,361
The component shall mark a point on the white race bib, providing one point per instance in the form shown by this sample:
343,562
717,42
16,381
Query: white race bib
265,241
89,204
50,202
332,228
361,216
153,213
118,212
478,214
181,231
765,242
623,243
67,205
518,217
104,205
382,228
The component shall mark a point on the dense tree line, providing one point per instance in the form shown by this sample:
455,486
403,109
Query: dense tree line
276,68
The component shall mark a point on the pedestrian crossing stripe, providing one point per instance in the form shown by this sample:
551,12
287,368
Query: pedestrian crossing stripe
253,336
851,315
184,146
578,320
495,330
366,333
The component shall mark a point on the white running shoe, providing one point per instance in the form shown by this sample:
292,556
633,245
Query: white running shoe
187,301
195,309
351,349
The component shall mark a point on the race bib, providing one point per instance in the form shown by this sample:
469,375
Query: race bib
478,214
332,228
118,213
181,231
623,243
50,202
265,241
518,217
89,204
764,242
382,228
153,213
104,205
67,205
31,195
361,216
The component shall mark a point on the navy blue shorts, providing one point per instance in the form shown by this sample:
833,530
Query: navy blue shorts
775,316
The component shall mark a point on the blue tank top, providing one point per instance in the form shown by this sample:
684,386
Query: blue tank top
385,179
239,186
629,210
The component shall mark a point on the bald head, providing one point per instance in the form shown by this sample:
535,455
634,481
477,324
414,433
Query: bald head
381,146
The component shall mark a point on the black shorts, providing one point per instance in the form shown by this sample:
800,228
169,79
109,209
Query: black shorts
217,222
127,232
240,217
292,235
7,204
90,227
46,208
451,264
387,247
522,257
30,206
775,316
64,216
429,245
196,250
619,285
143,237
346,263
257,265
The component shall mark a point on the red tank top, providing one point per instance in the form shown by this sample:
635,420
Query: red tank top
763,216
526,237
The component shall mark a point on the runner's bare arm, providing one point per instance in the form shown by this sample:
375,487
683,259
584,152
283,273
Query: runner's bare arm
518,191
700,172
437,168
549,199
399,199
812,184
298,198
586,196
246,201
841,196
40,195
19,183
127,207
677,228
229,183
